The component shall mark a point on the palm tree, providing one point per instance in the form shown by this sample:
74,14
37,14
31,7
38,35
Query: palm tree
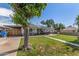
23,13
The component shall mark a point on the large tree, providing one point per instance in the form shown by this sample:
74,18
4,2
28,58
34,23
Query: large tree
48,23
23,12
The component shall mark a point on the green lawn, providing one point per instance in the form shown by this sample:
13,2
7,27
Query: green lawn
67,38
46,47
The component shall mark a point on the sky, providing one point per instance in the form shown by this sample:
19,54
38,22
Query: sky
60,13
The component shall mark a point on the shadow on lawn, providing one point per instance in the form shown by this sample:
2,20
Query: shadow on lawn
11,51
74,47
75,41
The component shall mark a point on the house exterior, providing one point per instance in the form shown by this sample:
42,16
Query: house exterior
17,30
46,30
70,29
33,29
13,30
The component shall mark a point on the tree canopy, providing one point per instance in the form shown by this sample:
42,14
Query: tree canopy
48,22
59,26
25,11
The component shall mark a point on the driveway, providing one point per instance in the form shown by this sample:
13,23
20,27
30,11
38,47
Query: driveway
9,45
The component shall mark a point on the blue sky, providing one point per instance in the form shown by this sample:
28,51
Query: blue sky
60,13
5,11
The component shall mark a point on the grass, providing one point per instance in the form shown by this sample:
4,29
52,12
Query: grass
46,47
69,38
66,37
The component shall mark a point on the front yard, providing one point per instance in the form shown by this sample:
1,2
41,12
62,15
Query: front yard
43,46
69,38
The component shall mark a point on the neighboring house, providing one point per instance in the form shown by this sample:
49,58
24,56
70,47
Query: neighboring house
70,29
33,29
46,30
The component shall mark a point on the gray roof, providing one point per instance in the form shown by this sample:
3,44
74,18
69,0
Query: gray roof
44,27
12,25
31,26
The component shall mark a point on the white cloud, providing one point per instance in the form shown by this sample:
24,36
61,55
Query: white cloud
5,12
1,24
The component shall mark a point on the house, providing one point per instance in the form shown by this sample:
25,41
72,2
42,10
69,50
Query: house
3,28
46,30
70,29
33,29
14,30
17,30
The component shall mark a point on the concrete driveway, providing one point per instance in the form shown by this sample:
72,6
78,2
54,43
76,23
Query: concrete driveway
9,45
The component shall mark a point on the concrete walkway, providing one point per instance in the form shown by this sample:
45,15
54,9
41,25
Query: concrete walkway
77,45
9,45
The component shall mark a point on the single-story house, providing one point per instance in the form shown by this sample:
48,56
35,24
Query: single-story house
69,29
11,29
17,30
46,30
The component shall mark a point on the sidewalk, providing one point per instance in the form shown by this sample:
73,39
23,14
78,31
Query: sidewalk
9,45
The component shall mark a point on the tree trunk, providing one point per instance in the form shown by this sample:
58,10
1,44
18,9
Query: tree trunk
26,38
